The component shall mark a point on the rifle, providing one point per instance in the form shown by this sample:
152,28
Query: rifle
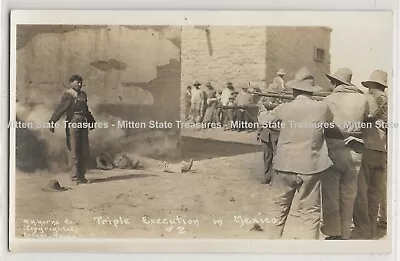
319,96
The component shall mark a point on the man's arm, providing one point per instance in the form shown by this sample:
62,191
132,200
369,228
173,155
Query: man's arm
381,112
266,117
62,107
332,131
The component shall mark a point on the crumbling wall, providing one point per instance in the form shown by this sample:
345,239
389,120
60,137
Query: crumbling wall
130,73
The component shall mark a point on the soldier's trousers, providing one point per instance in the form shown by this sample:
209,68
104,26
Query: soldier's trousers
78,147
242,116
285,185
195,111
339,189
371,184
268,155
383,203
187,110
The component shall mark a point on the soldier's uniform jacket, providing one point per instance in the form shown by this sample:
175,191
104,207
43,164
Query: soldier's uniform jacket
74,104
244,98
349,107
376,138
300,150
266,134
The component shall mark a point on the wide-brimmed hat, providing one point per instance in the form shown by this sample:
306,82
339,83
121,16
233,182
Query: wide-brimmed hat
186,166
303,74
379,77
54,186
306,86
196,83
281,72
342,75
104,161
209,84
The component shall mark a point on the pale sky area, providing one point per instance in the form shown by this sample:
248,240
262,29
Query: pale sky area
363,50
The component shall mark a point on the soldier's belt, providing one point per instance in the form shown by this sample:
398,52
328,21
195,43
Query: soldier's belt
80,115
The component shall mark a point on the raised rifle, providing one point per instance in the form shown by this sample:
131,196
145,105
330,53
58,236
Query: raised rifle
319,96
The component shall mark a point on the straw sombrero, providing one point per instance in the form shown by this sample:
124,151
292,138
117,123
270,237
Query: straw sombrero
379,77
342,75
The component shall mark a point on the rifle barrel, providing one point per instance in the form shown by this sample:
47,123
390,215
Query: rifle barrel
316,96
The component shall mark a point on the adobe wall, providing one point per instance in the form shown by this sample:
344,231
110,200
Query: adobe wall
130,73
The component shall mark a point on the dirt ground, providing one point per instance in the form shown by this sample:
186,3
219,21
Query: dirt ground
221,197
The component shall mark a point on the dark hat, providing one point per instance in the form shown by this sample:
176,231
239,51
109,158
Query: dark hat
379,77
342,75
54,186
196,83
75,77
104,161
209,84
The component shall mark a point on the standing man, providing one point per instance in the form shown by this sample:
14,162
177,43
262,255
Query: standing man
243,99
205,92
373,172
196,103
339,183
78,120
268,137
188,97
301,156
225,98
279,81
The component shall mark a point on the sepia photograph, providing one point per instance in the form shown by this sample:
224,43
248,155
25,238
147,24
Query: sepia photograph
271,130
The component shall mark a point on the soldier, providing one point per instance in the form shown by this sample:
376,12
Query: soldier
279,81
188,97
339,183
371,184
268,137
301,156
225,97
78,120
243,99
212,102
196,102
230,113
205,94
